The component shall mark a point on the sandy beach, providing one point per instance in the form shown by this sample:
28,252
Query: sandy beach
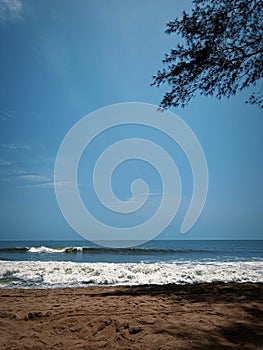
202,316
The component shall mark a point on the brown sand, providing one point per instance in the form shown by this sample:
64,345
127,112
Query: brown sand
205,316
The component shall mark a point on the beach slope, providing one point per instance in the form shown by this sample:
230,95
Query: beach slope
200,316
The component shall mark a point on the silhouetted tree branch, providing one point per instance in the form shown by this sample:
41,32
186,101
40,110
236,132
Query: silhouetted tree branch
222,52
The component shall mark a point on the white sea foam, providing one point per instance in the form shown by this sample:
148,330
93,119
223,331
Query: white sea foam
30,274
44,249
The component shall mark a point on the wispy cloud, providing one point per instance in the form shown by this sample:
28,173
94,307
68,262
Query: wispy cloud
61,186
34,181
10,10
4,162
22,178
34,178
44,185
7,115
14,146
10,171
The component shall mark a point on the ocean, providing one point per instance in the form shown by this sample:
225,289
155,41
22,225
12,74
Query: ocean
50,264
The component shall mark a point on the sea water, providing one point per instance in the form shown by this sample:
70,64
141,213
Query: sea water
47,264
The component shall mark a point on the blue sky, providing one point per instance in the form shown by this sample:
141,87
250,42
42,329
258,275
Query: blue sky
61,60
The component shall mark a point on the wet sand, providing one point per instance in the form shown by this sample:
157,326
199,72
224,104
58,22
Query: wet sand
204,316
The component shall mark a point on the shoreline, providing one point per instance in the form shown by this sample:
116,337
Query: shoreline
191,316
158,287
59,274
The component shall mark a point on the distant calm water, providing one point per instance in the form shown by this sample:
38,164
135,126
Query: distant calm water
43,264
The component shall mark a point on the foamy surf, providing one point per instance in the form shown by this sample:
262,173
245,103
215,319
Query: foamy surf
44,249
51,274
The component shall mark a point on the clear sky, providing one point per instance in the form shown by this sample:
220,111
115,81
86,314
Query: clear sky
61,60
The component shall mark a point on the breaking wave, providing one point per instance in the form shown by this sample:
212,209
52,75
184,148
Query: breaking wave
51,274
101,250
